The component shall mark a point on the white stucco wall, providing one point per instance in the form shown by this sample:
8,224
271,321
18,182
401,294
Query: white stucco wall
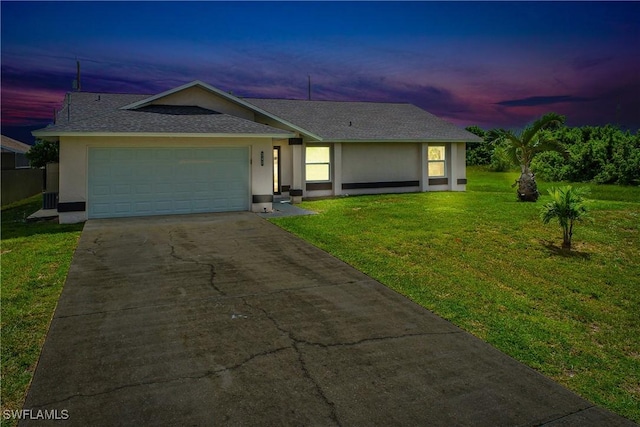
74,163
377,162
391,162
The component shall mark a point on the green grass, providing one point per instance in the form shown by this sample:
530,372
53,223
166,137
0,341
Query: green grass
34,264
488,264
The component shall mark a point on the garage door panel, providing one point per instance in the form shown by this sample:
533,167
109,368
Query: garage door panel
144,189
158,181
122,207
144,208
121,189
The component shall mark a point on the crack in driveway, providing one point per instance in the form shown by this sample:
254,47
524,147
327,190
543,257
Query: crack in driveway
212,269
208,373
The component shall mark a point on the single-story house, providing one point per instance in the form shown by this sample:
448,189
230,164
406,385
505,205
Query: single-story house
196,148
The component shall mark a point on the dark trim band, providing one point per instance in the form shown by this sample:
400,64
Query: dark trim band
462,181
312,186
285,188
384,184
295,193
72,206
438,181
295,141
262,198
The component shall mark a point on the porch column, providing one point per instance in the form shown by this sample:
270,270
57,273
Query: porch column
424,167
337,169
459,167
453,164
297,170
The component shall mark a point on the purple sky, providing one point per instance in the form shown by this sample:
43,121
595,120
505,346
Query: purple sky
493,64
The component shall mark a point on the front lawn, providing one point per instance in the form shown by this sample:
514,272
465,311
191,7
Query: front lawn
35,260
487,263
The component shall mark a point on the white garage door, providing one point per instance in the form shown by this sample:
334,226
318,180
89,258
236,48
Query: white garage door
160,181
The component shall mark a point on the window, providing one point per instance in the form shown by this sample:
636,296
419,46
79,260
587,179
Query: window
436,160
318,164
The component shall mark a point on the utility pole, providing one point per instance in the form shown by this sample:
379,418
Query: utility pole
76,83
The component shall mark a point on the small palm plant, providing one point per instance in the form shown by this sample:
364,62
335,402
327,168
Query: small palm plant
523,146
567,206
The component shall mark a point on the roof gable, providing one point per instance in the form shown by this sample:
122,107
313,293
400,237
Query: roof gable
203,95
200,95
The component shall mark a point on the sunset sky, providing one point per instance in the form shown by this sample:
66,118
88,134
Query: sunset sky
493,64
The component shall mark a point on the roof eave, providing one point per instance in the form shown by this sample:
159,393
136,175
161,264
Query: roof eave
396,140
49,134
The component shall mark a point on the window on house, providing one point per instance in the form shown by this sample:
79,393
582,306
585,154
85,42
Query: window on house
436,160
318,164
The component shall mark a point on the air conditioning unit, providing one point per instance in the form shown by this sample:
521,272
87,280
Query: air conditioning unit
50,200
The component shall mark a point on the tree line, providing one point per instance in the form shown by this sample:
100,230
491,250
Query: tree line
598,154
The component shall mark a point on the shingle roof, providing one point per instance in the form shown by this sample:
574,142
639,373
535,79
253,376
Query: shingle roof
136,121
333,121
102,113
13,146
81,105
365,121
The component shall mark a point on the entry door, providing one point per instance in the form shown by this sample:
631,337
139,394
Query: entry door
276,170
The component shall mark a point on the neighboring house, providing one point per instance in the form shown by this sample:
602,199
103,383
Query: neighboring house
196,148
14,153
18,179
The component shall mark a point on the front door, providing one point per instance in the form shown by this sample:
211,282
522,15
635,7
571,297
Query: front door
276,170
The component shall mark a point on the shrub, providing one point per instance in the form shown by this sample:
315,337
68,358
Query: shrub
567,206
500,160
604,155
479,153
549,166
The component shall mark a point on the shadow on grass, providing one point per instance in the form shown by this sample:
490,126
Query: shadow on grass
15,224
563,252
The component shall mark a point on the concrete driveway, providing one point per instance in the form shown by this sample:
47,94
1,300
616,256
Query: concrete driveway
226,319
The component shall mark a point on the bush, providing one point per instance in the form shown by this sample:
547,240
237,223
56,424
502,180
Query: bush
604,155
500,160
479,153
549,166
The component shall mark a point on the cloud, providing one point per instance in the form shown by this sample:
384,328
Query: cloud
583,63
29,106
534,101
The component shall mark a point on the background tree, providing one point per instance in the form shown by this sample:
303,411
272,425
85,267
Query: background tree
523,146
43,152
603,155
483,153
567,206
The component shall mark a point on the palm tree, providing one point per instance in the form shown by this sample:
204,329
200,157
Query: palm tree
523,146
567,205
